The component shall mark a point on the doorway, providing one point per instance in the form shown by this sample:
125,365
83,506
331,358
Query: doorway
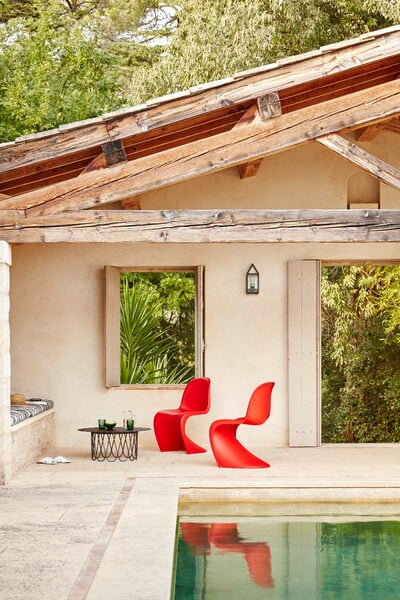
360,353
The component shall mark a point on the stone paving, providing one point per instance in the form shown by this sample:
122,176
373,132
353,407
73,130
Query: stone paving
102,531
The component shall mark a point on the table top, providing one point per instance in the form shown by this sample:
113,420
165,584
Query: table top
114,430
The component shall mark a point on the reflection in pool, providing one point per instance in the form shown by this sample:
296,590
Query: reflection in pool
261,557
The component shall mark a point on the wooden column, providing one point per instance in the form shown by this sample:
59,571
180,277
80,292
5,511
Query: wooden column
5,363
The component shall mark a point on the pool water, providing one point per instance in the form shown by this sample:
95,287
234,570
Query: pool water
260,557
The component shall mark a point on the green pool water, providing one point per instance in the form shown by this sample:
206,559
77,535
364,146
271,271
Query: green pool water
268,558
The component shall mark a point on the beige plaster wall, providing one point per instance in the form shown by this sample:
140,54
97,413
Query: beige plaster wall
309,176
57,339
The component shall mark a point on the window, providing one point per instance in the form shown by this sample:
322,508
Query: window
154,326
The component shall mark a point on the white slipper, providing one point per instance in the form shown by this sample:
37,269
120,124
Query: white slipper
61,459
47,460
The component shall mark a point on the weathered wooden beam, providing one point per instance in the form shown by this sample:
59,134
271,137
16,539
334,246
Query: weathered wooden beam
130,203
367,134
353,153
206,226
249,169
285,74
97,163
393,125
252,115
213,154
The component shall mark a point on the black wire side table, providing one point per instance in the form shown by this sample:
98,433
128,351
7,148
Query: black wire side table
114,444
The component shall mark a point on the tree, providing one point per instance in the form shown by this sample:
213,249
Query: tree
213,40
63,61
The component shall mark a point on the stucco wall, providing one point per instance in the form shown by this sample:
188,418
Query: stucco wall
57,299
309,176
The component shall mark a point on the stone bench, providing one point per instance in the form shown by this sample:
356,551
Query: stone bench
32,431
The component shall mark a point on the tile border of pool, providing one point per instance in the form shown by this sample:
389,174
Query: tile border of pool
143,543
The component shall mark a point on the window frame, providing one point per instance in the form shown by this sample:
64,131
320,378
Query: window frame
112,275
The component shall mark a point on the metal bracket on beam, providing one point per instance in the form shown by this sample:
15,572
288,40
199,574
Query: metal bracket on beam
114,152
269,106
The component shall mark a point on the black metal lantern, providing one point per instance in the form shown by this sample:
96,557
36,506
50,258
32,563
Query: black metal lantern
252,280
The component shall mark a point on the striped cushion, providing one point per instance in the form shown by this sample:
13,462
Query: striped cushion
33,407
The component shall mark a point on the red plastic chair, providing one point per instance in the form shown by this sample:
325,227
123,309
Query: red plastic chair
169,425
228,451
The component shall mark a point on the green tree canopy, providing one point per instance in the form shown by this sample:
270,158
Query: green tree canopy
66,61
215,39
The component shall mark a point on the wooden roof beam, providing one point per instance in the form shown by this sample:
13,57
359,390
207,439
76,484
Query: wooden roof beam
267,107
208,226
367,134
213,154
249,169
353,153
251,116
130,204
285,74
97,163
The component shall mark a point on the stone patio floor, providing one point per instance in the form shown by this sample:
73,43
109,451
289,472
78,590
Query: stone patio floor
106,531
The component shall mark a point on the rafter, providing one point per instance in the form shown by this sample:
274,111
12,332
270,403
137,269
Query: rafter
367,134
353,153
130,204
211,226
97,163
219,152
249,169
251,116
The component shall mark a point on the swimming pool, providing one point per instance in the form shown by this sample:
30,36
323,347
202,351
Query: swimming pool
295,557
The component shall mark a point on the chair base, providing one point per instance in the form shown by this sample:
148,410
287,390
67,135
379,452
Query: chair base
169,427
228,451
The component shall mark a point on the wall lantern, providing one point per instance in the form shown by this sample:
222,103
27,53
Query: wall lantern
252,280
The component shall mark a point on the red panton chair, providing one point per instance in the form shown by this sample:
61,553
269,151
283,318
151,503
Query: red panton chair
228,451
169,425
